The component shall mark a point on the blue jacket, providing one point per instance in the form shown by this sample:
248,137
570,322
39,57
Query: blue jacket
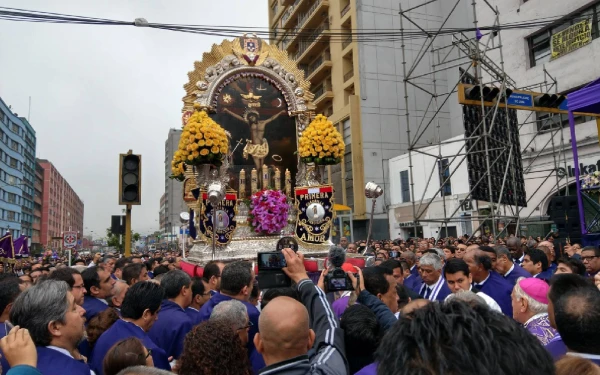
500,290
517,272
92,306
194,315
170,329
121,330
413,282
52,362
253,314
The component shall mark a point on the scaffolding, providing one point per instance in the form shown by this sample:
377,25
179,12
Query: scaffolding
471,55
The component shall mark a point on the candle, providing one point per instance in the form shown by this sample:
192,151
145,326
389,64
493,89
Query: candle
265,176
242,184
254,181
288,183
277,179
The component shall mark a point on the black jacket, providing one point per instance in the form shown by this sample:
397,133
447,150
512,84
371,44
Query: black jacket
327,356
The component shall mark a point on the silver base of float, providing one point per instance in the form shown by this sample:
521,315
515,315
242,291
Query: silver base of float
246,244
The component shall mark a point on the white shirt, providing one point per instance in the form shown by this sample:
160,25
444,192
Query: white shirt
510,270
434,289
483,282
65,352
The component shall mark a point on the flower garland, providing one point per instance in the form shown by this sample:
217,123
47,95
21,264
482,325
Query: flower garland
268,211
202,141
591,181
321,143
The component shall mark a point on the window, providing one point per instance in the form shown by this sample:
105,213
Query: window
549,121
10,215
539,44
444,172
11,198
14,145
13,163
405,186
14,128
12,180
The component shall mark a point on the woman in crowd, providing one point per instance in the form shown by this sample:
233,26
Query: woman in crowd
212,348
126,353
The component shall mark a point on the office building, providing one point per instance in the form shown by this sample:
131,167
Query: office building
62,209
161,212
28,204
16,211
358,83
36,237
173,202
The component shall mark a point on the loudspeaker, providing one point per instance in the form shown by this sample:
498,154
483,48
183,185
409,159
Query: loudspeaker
503,134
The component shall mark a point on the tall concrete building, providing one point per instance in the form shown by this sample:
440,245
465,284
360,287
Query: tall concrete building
17,149
358,82
173,200
62,209
36,237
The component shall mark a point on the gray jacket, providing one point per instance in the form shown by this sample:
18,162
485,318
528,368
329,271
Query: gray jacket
327,356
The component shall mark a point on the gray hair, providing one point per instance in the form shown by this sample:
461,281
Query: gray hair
143,370
439,252
534,306
431,259
503,251
39,305
468,297
409,256
231,312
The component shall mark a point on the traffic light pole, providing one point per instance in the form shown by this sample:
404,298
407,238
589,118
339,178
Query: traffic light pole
128,231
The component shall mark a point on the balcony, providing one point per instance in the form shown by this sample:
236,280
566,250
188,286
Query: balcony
318,68
345,10
322,94
348,75
308,43
307,19
290,14
346,42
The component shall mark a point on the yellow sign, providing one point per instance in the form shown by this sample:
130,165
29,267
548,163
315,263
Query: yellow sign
571,38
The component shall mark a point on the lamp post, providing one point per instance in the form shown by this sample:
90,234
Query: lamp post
373,191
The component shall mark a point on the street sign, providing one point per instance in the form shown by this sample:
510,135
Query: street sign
523,100
69,239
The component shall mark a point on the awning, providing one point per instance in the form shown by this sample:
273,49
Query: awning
341,207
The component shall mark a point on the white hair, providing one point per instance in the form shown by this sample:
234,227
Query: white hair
232,312
467,296
534,306
431,259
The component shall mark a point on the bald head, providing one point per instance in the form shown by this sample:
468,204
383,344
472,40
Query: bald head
284,330
472,247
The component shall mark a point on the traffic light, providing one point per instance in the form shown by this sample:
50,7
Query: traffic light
489,94
549,100
130,179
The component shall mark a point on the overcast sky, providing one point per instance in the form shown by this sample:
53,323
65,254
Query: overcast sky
98,91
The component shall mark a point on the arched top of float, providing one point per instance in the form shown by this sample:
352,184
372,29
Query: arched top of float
247,56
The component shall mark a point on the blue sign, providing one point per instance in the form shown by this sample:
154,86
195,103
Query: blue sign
187,231
523,100
564,106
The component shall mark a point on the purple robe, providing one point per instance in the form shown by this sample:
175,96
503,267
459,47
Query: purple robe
368,370
539,326
340,306
556,347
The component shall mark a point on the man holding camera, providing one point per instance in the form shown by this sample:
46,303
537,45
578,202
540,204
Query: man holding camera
285,336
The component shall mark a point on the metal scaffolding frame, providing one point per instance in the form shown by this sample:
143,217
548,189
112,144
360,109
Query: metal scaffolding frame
472,57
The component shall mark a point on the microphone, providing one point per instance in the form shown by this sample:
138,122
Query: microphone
337,256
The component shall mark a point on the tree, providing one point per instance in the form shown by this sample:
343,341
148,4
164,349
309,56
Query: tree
112,240
135,236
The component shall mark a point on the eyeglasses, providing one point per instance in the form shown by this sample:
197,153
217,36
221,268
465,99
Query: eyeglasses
248,326
149,353
589,258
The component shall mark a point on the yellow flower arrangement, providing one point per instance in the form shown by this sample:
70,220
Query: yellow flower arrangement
321,143
202,141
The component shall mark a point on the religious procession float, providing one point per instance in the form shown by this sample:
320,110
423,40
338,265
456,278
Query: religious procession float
252,155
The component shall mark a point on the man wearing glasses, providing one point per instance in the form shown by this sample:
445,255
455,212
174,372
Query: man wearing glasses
590,256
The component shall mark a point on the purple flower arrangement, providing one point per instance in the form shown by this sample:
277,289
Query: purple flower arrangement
268,211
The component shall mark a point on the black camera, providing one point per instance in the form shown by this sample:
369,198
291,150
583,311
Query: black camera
337,279
270,264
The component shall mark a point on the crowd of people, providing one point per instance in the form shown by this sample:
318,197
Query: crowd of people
419,306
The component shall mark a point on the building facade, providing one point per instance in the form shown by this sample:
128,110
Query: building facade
12,183
162,213
173,202
545,139
62,209
36,236
28,203
358,82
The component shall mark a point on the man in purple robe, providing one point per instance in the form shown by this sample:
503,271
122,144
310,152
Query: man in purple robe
489,281
530,308
506,267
